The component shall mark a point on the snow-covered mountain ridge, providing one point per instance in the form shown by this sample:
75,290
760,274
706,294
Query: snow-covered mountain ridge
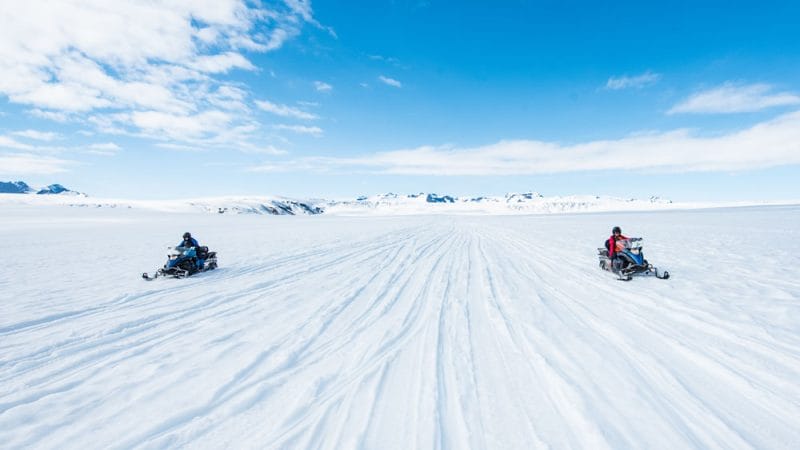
21,187
511,203
380,204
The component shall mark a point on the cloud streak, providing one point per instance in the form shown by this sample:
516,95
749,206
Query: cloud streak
322,86
390,81
104,149
300,129
285,110
37,135
627,82
16,164
767,144
733,98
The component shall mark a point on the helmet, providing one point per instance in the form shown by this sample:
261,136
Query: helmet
614,230
187,235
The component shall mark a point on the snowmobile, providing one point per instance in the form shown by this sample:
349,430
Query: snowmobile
185,261
632,261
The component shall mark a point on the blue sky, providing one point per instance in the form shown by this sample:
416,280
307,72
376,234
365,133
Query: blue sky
690,101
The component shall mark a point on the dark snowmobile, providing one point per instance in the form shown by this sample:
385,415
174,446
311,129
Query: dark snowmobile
185,261
631,261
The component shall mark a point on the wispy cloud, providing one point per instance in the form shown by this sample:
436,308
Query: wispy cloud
636,81
271,150
301,129
735,98
180,147
322,86
104,149
383,58
19,164
37,135
9,142
767,144
284,110
390,81
55,116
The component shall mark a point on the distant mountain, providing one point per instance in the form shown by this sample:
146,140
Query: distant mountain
526,202
15,187
54,189
21,187
275,206
381,204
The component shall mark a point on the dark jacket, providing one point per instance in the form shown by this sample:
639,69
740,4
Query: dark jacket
191,243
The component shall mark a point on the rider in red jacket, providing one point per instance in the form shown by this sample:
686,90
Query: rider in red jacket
611,244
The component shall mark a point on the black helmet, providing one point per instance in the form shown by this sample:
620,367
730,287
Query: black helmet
614,230
187,235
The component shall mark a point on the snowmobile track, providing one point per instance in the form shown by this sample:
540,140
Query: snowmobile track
420,332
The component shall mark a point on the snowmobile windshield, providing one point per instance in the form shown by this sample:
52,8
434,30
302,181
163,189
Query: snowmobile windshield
182,251
633,243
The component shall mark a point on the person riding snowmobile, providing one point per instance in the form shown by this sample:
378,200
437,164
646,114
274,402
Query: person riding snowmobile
611,246
188,242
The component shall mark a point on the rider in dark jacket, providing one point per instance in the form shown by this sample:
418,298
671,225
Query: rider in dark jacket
189,241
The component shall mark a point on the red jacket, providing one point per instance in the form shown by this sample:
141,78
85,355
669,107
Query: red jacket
611,244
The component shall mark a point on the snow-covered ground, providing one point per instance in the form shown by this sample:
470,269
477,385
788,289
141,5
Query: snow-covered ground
434,331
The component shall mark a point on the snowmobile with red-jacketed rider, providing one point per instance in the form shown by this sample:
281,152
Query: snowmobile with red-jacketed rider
629,261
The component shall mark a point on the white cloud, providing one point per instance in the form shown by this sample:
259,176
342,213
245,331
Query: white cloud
20,164
37,135
181,127
767,144
179,147
284,110
322,87
301,129
8,142
228,98
73,60
221,63
55,116
733,98
638,81
104,149
390,81
277,38
270,150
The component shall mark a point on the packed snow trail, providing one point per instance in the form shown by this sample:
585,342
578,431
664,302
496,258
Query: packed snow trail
445,332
